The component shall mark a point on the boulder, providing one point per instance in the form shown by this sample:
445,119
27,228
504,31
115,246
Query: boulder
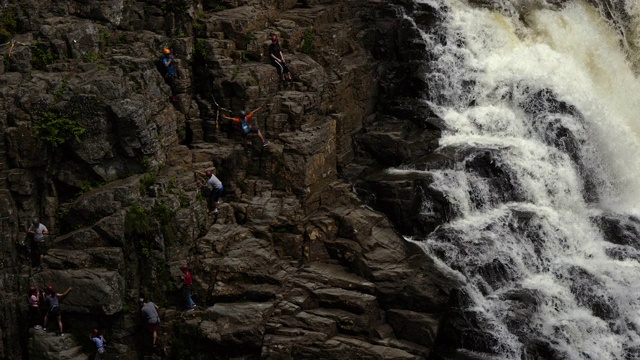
96,291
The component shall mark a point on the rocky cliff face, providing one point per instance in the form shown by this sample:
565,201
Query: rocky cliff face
295,265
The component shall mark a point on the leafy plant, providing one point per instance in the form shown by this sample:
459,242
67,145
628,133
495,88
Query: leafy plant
171,184
61,89
41,56
235,72
106,39
220,7
139,225
307,41
200,49
143,225
88,186
57,129
184,200
91,56
8,23
147,180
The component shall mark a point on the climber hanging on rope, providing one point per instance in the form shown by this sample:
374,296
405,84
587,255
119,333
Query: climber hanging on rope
244,120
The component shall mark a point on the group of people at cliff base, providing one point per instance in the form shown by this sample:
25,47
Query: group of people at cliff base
51,300
45,305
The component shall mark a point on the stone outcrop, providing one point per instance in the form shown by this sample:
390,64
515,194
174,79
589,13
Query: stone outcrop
295,265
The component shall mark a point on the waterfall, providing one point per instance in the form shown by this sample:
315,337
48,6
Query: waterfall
547,96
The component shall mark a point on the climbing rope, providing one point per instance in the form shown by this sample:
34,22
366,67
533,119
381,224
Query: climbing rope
13,44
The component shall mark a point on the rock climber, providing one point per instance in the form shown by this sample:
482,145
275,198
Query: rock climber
167,62
213,186
277,59
244,120
35,299
53,298
38,246
100,342
187,287
150,312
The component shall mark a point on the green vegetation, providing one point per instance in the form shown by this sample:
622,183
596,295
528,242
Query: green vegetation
91,56
200,49
171,184
41,56
307,41
184,200
89,185
107,39
143,225
197,26
147,180
57,129
220,6
8,23
236,71
61,89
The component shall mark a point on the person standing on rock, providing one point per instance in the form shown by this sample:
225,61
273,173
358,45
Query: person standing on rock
53,298
150,313
277,59
213,186
35,299
244,120
100,342
187,286
38,246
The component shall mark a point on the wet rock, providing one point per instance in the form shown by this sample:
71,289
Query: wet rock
413,326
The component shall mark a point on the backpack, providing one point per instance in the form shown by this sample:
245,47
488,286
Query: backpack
246,128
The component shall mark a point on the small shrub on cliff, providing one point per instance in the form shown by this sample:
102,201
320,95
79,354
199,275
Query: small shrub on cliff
8,23
91,56
142,226
57,129
200,50
41,56
139,226
147,180
307,41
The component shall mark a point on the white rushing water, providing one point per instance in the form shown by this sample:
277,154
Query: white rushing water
494,62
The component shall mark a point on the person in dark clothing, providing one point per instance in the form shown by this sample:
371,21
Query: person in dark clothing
277,59
53,298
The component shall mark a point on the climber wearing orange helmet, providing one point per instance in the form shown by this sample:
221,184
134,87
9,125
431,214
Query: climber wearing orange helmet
167,61
277,59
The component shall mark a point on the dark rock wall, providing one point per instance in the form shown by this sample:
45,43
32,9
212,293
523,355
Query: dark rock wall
98,146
